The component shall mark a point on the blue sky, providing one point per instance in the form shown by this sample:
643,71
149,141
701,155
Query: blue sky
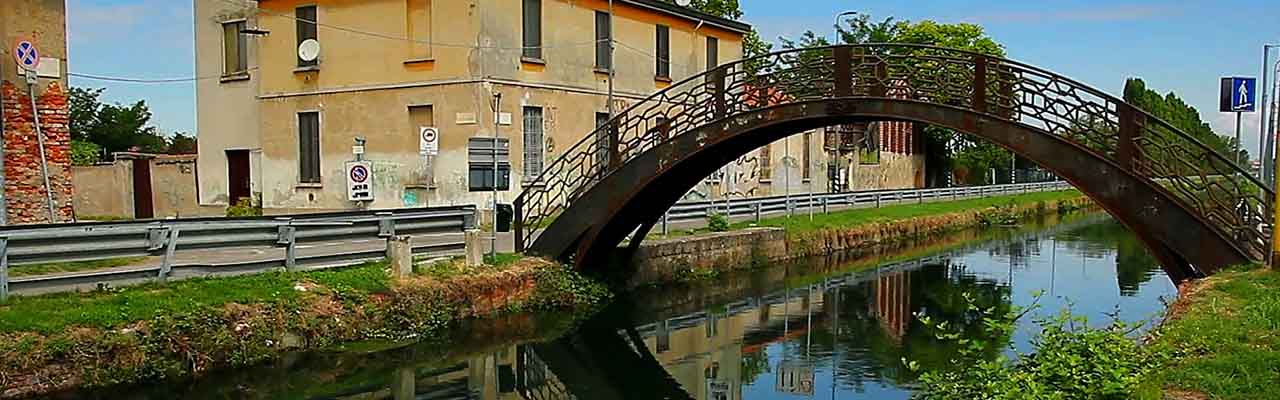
1180,46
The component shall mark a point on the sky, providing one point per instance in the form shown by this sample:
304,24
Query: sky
1184,47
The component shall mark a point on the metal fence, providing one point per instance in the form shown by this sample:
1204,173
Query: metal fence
34,244
824,202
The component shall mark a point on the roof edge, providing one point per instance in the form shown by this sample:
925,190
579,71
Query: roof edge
735,26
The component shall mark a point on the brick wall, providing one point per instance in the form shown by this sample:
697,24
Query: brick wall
23,184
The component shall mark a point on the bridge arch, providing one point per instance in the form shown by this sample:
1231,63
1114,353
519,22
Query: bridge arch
1195,210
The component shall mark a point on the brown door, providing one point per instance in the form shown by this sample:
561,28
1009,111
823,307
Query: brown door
142,206
238,175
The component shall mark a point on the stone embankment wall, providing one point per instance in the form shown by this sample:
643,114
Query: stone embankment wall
670,260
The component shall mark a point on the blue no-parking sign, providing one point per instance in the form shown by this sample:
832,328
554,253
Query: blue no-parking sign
1238,95
26,55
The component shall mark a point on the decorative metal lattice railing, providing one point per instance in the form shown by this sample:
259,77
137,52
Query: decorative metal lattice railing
1204,181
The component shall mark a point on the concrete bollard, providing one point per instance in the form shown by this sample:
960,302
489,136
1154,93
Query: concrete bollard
400,256
475,248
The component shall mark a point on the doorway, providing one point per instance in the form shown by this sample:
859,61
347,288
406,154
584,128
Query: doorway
143,208
238,175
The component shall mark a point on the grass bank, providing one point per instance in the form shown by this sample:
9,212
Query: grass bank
68,340
1223,335
76,266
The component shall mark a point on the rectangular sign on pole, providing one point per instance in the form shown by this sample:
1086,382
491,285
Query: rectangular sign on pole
428,141
1238,94
360,181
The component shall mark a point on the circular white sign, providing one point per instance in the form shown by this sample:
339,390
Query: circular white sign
309,50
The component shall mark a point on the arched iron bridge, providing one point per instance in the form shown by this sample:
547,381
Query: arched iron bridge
1195,209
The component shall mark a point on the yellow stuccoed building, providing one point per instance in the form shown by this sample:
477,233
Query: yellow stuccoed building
280,128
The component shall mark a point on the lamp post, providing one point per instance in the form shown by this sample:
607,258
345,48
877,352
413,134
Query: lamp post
835,39
1266,140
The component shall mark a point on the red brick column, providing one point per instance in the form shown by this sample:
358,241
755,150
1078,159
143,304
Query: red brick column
23,184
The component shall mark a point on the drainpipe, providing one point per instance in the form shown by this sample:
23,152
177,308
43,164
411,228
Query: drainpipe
4,207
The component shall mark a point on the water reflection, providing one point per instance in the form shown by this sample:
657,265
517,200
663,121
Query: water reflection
834,327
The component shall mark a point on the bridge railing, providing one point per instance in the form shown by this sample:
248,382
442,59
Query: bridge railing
1206,182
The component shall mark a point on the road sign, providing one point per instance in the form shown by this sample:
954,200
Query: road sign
360,181
26,55
428,141
1238,94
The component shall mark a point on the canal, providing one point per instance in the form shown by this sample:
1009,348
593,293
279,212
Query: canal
831,327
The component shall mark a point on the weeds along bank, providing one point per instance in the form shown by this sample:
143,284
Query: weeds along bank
743,246
188,328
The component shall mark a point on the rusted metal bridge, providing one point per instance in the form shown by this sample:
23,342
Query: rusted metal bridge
1194,208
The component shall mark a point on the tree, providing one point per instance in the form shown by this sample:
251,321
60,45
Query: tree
113,127
944,150
1170,108
181,143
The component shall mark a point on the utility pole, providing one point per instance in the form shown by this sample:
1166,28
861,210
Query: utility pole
497,121
1265,140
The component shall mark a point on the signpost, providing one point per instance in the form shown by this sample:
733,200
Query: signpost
27,56
1238,95
360,181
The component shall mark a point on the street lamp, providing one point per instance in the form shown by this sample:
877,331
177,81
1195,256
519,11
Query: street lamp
836,39
1267,141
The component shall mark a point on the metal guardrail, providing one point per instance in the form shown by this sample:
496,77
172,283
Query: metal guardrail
760,206
32,244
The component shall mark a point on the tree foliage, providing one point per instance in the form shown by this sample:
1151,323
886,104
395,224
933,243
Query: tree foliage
945,150
114,127
1170,108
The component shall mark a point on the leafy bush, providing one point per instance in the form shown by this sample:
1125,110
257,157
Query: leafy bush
1071,360
85,153
245,207
717,223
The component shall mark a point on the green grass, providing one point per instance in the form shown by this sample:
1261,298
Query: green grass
800,222
1227,342
53,268
54,313
502,259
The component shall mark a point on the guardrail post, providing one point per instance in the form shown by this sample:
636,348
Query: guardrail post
755,208
877,200
665,217
4,270
167,264
288,238
825,205
387,224
156,237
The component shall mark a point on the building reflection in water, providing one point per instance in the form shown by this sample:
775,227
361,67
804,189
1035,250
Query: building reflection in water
775,333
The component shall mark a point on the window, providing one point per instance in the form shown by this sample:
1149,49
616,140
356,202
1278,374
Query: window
663,52
533,154
604,39
235,55
309,147
306,21
807,169
869,151
713,53
421,116
418,23
532,29
766,162
481,154
603,139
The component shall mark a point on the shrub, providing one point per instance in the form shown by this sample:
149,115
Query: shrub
717,223
245,207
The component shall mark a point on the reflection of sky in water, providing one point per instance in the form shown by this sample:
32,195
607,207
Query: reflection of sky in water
1096,270
860,331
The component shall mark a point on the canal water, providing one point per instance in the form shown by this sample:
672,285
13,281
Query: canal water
833,327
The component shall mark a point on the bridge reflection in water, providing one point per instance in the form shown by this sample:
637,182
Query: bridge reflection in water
809,329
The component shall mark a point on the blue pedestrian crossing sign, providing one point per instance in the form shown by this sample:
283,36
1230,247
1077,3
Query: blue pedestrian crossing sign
1238,95
26,55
